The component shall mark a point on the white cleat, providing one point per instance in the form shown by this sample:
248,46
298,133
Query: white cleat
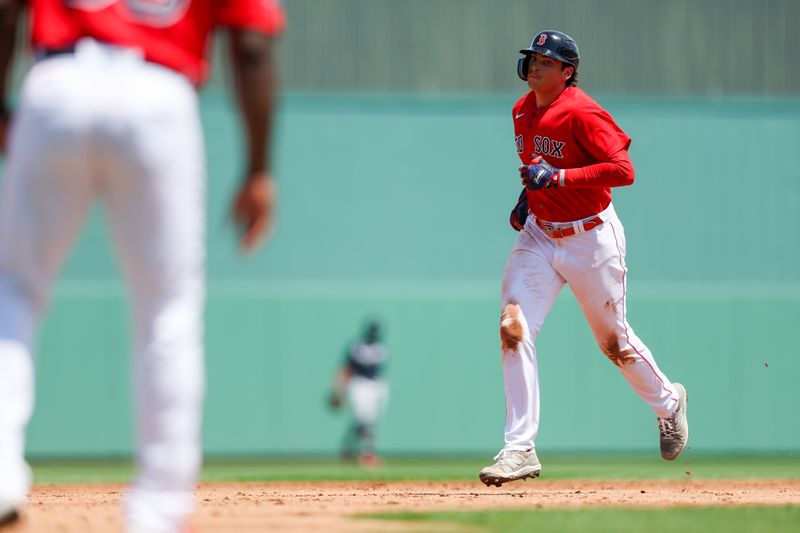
674,430
511,465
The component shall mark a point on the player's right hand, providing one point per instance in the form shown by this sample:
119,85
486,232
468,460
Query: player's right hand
253,209
539,175
520,212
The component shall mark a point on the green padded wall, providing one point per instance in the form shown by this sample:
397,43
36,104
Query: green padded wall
398,205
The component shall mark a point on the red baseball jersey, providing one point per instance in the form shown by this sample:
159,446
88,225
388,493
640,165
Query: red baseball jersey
572,132
173,33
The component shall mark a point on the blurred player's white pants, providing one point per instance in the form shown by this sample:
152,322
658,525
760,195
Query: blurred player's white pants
367,398
593,264
103,123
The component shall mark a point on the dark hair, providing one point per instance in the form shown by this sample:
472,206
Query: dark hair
573,80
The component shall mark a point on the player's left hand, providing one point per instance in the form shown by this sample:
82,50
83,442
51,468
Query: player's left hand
5,121
253,209
520,212
539,175
335,400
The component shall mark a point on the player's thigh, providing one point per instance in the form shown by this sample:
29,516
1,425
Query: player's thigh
48,185
530,281
596,272
365,399
156,199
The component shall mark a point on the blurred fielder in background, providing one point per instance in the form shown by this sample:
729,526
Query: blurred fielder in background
572,153
109,110
360,381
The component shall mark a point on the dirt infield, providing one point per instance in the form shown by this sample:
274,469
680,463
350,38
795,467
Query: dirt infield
329,506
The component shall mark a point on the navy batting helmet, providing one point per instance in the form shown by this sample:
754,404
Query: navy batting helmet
550,43
374,330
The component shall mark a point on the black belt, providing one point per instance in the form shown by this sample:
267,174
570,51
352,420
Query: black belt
44,53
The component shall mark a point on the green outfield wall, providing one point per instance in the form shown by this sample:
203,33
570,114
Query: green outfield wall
398,205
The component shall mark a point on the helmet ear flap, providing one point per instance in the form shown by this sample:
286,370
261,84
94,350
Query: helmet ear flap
522,67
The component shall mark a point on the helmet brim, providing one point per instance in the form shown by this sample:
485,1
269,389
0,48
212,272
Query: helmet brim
547,53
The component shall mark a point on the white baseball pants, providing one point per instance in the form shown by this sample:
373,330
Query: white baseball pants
593,264
367,398
103,123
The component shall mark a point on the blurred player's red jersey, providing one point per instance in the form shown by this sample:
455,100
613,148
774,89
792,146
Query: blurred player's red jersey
173,33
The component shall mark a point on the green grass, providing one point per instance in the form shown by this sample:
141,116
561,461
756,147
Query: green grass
433,469
675,520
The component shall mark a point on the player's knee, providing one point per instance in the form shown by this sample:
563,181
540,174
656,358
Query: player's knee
618,350
512,327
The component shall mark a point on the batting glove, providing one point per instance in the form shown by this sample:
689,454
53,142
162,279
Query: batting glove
541,175
520,212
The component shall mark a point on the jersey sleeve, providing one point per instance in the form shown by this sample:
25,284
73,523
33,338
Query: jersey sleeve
599,134
617,172
267,16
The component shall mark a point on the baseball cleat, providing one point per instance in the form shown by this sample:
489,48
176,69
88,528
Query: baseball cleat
674,430
511,465
8,516
370,461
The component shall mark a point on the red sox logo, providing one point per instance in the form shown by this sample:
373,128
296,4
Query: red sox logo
548,147
542,39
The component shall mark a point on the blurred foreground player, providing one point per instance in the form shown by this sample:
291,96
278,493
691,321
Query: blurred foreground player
109,111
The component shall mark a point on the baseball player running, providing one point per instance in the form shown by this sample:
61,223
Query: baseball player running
109,110
573,153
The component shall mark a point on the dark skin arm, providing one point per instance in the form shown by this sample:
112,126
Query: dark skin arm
255,84
9,14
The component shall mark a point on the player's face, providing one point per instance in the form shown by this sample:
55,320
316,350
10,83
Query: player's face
545,74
